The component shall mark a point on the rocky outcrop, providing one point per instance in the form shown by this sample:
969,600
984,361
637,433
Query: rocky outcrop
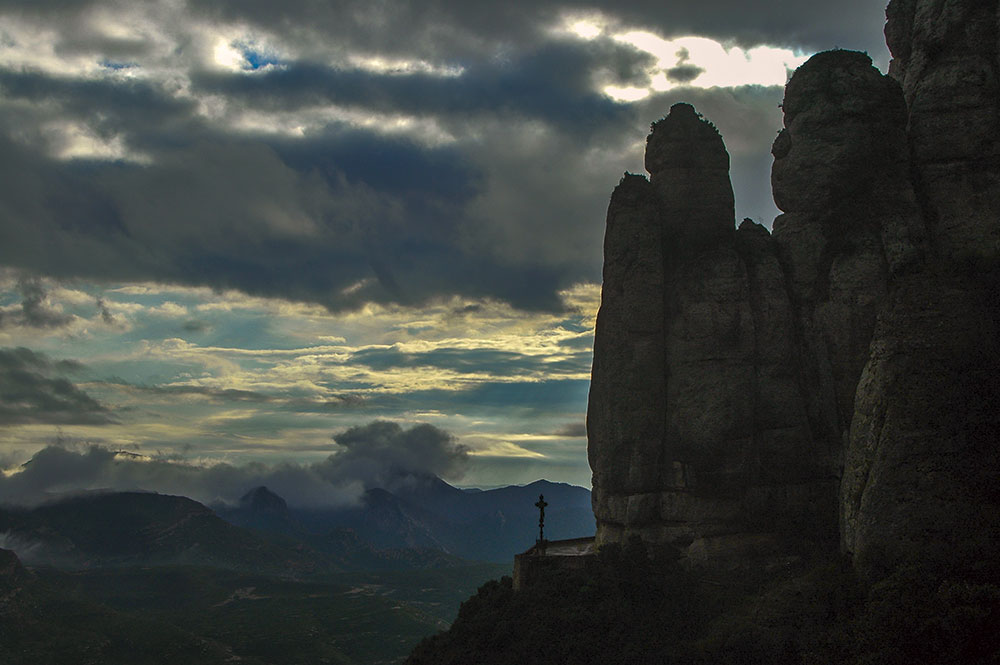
921,470
945,55
742,380
625,417
698,429
850,219
920,474
851,225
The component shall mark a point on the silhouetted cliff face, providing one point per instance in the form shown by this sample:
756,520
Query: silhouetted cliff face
945,55
920,475
840,175
851,224
697,426
740,378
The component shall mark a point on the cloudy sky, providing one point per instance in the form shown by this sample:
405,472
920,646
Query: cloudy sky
233,230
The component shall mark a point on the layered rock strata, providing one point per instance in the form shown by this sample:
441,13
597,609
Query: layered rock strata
742,380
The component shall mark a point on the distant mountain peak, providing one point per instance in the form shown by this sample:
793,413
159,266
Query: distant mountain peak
263,501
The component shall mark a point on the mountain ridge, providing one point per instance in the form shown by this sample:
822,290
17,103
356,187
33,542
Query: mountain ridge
490,525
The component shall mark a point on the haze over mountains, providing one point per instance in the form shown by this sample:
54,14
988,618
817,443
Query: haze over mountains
426,524
378,454
163,576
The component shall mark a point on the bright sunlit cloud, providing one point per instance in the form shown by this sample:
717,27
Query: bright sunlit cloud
227,55
249,391
583,25
705,63
305,121
685,61
587,28
501,448
245,54
400,67
73,140
626,94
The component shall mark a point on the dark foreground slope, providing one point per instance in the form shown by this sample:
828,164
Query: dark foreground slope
627,608
125,578
196,615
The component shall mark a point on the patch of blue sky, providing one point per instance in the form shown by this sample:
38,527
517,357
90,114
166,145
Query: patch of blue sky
255,58
116,65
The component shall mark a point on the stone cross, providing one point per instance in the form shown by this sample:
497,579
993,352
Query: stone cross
541,517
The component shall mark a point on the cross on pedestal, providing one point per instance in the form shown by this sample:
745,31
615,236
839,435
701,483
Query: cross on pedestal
541,517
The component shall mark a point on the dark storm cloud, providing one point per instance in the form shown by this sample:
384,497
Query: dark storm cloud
311,219
234,215
226,214
684,73
387,164
46,6
382,452
106,315
56,469
115,50
509,204
142,109
430,27
34,389
379,454
223,211
553,82
34,312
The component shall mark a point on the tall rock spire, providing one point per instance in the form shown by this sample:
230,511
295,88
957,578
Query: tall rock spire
946,55
742,379
850,221
693,411
921,467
